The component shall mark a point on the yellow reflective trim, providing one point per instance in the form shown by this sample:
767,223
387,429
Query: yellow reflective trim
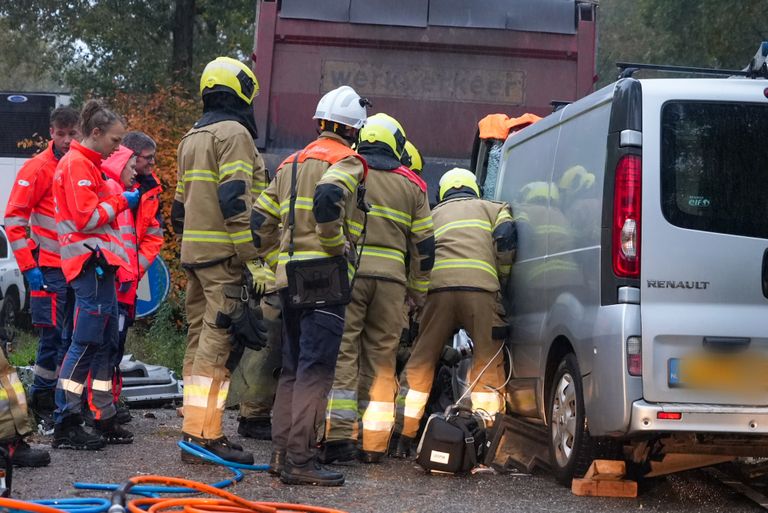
354,227
180,187
464,263
464,223
200,175
419,225
206,236
348,180
3,395
382,252
391,214
334,241
302,203
269,205
302,255
241,237
418,285
258,187
504,214
271,257
230,168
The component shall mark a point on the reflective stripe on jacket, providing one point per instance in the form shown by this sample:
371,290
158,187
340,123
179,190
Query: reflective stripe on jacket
86,211
218,165
327,177
399,223
470,252
140,233
31,205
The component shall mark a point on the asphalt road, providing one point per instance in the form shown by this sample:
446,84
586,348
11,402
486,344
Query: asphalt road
393,486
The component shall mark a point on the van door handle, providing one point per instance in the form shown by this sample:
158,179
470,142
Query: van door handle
765,273
726,344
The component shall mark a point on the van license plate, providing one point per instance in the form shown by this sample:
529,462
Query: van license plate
725,374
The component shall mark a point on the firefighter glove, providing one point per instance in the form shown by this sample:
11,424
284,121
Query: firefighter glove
248,329
261,277
35,278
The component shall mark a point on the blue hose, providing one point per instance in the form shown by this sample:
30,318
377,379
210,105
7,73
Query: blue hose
83,505
207,455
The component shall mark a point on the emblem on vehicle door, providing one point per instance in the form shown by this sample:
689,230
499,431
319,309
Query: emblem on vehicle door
670,284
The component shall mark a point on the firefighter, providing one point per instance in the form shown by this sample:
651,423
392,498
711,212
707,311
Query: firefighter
142,238
328,173
411,158
475,245
399,224
91,254
31,205
217,161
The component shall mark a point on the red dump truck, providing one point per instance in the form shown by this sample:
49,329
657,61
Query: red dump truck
438,66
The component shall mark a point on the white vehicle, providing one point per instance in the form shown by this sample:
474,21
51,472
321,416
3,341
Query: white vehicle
13,292
23,116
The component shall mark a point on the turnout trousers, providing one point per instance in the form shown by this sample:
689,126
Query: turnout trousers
14,419
212,295
94,341
254,381
444,312
54,340
311,339
365,381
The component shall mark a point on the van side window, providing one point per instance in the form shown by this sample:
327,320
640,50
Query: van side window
3,246
714,167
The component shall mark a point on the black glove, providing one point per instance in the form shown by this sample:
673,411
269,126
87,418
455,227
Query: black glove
248,329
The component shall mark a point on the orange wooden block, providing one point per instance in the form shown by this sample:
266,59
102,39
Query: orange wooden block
606,470
593,488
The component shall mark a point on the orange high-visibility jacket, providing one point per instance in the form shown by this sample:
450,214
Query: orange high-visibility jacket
31,205
86,211
140,232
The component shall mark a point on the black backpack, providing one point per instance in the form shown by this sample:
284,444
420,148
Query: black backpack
453,441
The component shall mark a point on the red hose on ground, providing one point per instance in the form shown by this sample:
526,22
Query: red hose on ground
229,502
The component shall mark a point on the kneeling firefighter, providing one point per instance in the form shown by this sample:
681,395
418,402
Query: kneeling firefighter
314,196
211,211
475,243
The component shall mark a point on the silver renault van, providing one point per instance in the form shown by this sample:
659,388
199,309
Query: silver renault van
638,303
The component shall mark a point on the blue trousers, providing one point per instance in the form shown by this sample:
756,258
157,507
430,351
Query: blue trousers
311,340
94,342
54,341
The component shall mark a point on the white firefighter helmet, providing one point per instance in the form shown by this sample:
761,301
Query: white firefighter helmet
342,105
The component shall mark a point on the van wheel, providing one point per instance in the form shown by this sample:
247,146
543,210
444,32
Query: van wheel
570,446
8,314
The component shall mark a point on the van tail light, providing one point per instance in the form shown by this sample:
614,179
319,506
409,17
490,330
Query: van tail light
625,234
635,356
669,415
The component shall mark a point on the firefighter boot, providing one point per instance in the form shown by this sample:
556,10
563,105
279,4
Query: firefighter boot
22,455
43,403
277,462
259,428
69,434
338,450
310,473
370,456
112,432
401,446
220,447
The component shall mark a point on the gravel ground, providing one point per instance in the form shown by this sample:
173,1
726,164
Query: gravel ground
393,486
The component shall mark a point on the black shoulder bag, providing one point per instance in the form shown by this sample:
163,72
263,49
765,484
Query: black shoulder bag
316,282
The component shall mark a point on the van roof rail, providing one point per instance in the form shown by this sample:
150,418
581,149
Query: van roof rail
559,104
757,67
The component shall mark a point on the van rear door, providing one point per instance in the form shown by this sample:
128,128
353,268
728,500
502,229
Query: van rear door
704,296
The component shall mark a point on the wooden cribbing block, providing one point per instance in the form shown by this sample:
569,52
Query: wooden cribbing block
592,488
606,470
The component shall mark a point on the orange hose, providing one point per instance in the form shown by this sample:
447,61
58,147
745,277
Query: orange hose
229,502
27,506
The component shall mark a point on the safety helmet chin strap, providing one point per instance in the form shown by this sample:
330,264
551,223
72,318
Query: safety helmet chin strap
346,132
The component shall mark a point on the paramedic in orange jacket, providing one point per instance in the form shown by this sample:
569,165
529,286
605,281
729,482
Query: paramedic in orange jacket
91,254
30,206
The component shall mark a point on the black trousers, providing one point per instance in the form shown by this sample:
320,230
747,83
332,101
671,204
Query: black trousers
311,339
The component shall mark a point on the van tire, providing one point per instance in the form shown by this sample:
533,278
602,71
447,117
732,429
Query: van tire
9,313
571,449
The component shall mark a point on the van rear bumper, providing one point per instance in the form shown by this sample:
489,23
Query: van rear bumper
712,418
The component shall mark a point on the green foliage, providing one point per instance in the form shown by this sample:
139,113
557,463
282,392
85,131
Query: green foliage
161,340
703,33
24,349
99,47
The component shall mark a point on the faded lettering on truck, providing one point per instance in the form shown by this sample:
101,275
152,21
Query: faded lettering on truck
425,82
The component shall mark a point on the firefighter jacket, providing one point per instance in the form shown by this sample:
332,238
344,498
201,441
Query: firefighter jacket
140,232
475,244
218,165
327,176
399,223
86,212
31,205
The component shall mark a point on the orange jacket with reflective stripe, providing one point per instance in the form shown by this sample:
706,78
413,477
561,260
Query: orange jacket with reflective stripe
86,211
31,205
140,232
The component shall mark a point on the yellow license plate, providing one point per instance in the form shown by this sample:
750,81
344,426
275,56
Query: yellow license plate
729,374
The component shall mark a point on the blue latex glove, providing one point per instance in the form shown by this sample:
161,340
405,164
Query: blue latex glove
132,197
35,278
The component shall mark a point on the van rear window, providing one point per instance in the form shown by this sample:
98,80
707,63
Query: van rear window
714,167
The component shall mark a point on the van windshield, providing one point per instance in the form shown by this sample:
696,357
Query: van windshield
714,167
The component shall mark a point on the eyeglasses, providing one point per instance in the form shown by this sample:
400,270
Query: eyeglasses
148,158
